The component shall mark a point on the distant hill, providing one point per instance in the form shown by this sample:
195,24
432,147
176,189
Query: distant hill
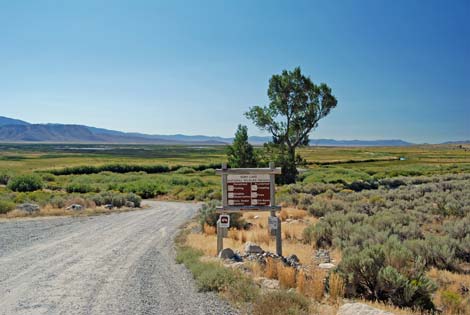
359,143
14,130
457,142
4,121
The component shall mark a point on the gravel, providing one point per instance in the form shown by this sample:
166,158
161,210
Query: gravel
122,263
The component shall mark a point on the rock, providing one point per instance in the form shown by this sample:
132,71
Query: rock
75,207
292,261
237,265
326,265
226,253
256,217
292,258
130,204
251,248
360,309
28,207
108,206
270,284
322,256
464,290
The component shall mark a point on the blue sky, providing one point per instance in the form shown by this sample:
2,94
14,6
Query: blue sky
399,69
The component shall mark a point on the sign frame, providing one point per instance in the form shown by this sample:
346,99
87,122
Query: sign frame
225,172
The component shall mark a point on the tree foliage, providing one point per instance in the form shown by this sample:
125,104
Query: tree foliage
241,153
295,108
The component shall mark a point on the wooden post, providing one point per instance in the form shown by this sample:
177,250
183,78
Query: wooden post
220,238
224,186
273,213
279,238
221,232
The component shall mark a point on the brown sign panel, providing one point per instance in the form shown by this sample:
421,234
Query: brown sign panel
249,190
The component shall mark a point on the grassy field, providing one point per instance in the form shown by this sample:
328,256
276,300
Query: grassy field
33,157
187,172
388,205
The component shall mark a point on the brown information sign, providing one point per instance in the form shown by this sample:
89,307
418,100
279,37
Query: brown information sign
248,190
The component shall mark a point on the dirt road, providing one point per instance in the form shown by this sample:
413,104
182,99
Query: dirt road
110,264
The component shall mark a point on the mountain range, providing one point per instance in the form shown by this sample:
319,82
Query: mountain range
15,130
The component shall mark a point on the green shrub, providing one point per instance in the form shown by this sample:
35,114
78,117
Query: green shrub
58,202
322,234
215,278
24,183
187,255
48,177
179,180
242,290
208,171
145,189
308,235
134,198
185,170
280,303
81,188
388,273
6,206
437,251
4,177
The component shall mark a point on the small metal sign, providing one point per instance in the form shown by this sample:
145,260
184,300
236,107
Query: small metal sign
272,222
224,220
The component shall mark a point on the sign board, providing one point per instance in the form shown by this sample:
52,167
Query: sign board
224,221
272,222
249,190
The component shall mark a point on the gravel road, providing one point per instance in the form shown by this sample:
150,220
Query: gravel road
121,263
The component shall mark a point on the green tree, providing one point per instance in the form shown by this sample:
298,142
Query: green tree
241,153
295,108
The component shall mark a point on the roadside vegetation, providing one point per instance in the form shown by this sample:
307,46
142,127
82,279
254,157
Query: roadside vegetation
236,286
402,241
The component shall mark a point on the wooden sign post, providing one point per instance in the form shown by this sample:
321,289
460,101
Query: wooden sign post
250,189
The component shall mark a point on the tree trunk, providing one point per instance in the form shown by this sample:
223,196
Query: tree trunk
290,169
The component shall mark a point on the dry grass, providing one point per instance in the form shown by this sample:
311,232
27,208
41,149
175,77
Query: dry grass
311,283
234,234
286,276
283,215
209,230
337,287
292,231
292,213
270,270
255,268
49,211
243,236
296,214
316,286
301,282
260,237
448,297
